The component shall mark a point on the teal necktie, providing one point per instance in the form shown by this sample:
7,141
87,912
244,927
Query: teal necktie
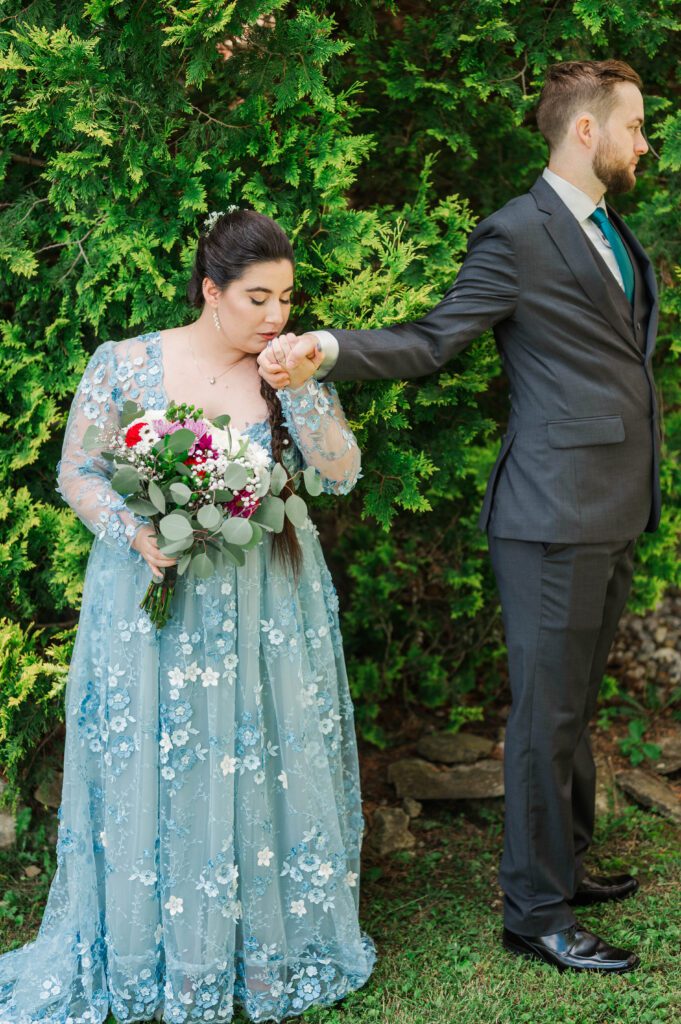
600,218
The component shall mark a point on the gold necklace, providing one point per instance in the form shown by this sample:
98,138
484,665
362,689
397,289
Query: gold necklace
214,377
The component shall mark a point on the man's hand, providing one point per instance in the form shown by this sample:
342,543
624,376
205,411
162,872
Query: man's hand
289,361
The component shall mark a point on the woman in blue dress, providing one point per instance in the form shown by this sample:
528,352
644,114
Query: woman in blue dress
210,822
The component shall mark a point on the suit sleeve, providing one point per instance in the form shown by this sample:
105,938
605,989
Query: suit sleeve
484,292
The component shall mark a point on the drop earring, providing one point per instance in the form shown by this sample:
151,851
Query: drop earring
216,320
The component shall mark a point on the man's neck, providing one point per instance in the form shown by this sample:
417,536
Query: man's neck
586,180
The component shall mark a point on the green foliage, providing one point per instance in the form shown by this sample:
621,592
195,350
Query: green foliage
634,745
376,134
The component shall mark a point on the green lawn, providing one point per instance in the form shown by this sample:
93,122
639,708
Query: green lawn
435,916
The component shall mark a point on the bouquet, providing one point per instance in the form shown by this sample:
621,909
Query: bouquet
208,490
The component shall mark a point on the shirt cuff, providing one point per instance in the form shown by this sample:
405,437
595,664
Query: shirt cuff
329,347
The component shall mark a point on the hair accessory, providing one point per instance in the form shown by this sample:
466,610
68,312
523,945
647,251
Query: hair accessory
214,216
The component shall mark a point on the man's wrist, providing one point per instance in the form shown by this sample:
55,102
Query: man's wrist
329,348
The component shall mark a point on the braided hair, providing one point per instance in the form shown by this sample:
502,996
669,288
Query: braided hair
232,242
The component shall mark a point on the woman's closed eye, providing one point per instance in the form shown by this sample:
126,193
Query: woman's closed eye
261,302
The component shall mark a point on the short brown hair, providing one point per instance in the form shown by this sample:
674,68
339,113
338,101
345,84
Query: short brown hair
579,85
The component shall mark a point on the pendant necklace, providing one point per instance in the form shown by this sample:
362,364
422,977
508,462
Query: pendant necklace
214,377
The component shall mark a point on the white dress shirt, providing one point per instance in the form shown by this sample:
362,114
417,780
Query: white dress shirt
580,205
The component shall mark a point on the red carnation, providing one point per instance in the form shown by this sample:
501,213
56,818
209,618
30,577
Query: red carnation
134,434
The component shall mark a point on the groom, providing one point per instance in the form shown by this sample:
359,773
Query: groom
571,296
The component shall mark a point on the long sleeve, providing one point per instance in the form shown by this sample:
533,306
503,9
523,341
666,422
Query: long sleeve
319,429
83,476
484,292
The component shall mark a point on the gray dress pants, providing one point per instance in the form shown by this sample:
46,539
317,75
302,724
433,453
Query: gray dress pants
560,605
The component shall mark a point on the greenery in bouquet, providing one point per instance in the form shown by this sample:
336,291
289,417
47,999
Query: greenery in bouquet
207,489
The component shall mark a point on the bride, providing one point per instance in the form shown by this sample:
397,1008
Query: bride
210,823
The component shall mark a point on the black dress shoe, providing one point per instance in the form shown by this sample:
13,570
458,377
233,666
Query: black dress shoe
599,889
572,949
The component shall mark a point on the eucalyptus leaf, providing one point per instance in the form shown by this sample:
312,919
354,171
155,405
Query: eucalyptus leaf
237,554
157,497
91,438
180,493
256,537
175,527
126,480
202,566
222,421
173,547
296,510
180,441
313,481
270,514
183,563
224,496
236,476
278,479
141,507
209,517
130,412
237,531
182,470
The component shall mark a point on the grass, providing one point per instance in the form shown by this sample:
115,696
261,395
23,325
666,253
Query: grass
435,916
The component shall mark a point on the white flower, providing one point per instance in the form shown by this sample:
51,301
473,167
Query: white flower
200,589
259,778
325,870
298,907
183,637
351,879
326,726
251,762
228,625
226,588
192,672
176,677
147,877
283,778
264,857
275,636
180,737
174,694
175,905
228,765
230,661
210,677
165,743
168,772
118,723
316,586
144,624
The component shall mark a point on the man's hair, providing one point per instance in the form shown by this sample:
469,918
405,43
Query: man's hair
576,85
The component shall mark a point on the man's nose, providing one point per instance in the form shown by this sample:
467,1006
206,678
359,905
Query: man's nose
642,146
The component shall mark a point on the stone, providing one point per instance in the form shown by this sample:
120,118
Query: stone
421,780
670,754
454,748
606,790
32,871
390,831
411,807
48,792
8,829
651,791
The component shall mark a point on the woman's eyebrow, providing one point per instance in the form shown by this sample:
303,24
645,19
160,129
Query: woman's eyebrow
268,290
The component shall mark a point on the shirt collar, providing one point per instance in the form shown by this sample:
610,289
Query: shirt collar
578,203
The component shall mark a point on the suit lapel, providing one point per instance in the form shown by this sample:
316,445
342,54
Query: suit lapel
572,243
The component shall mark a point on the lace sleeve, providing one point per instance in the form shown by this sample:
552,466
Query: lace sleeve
317,425
83,476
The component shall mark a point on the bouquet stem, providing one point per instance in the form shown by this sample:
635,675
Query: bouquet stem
158,596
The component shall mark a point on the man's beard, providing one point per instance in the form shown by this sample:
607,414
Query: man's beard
616,178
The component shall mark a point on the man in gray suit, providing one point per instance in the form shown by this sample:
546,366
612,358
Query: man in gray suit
571,297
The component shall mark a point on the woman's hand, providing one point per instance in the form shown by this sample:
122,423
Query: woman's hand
289,361
145,542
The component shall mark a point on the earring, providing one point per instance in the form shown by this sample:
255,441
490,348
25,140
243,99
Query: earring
216,320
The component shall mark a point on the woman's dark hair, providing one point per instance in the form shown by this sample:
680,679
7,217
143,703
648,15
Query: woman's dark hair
235,241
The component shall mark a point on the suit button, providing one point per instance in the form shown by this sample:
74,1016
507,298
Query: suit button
638,327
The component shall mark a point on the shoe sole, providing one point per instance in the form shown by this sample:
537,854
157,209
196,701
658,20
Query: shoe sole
534,954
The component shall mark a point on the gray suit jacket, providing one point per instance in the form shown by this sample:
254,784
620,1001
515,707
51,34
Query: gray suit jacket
579,462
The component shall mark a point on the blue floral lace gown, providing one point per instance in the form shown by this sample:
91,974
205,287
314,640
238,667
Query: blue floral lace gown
210,823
